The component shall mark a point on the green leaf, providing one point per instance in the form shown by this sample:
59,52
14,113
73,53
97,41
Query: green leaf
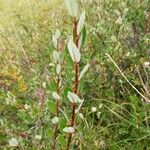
56,56
72,7
62,140
82,38
67,57
80,23
62,123
55,38
52,106
74,51
55,96
73,97
85,69
52,86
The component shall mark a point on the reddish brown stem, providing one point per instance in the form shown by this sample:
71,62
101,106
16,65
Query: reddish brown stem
76,82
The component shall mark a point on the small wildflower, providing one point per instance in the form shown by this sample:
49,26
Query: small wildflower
146,64
94,109
13,142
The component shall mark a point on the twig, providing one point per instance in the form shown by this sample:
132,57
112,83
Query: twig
145,98
142,82
57,111
76,82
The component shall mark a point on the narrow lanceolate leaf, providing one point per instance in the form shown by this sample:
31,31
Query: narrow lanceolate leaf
57,34
81,22
69,130
55,96
58,69
82,38
54,41
74,51
80,42
56,56
72,7
55,37
85,69
73,98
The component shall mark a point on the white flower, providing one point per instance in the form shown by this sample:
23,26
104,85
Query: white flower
94,109
146,64
55,96
38,137
13,142
55,120
69,130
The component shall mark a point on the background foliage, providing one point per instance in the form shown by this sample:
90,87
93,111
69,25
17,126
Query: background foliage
120,28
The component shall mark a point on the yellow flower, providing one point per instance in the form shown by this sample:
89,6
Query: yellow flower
22,85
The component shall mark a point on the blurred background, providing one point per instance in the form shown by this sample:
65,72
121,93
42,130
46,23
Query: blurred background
120,28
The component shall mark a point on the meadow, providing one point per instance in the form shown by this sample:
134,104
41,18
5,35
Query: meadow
74,75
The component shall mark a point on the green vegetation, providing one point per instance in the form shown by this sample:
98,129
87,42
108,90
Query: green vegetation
46,103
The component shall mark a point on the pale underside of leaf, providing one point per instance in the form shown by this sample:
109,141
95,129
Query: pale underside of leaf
85,69
81,23
69,130
55,96
73,97
72,7
74,51
56,56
